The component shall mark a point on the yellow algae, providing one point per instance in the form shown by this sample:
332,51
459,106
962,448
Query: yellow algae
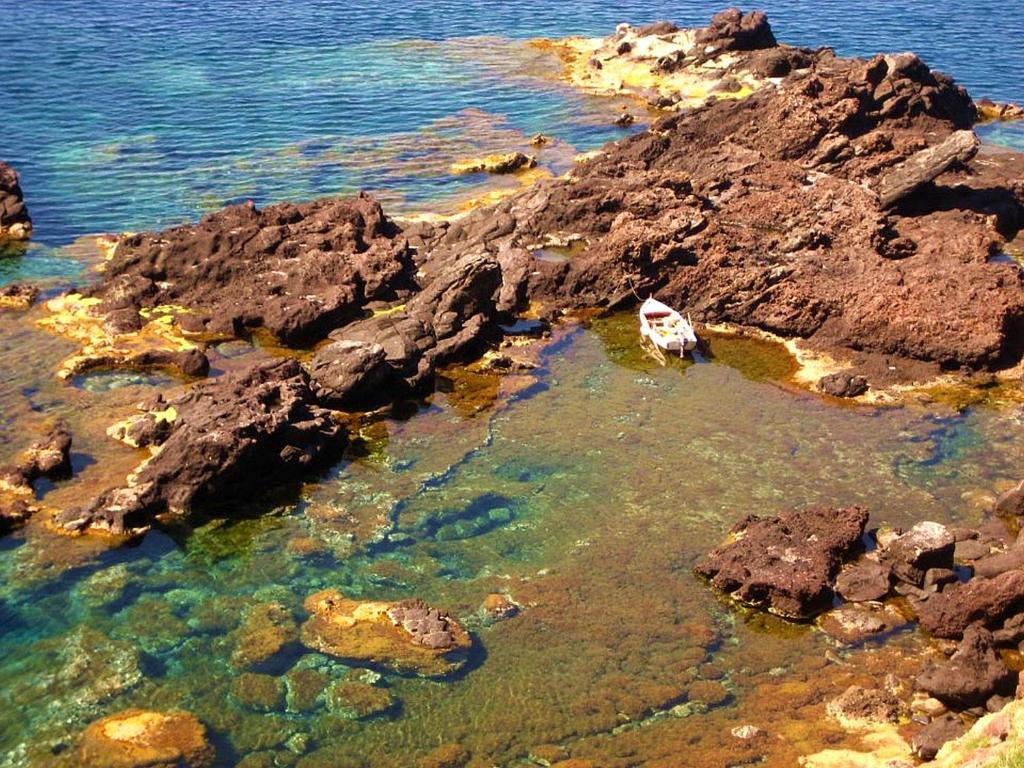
627,63
72,316
508,162
389,310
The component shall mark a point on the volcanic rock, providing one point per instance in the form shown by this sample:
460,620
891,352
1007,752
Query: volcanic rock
926,545
864,580
786,564
929,740
1012,502
48,457
973,674
297,270
733,30
843,385
855,623
407,636
15,223
137,738
231,438
925,166
397,352
985,601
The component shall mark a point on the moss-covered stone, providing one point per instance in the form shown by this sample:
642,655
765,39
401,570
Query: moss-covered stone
356,700
262,693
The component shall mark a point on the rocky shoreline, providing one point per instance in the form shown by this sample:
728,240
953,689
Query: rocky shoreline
843,205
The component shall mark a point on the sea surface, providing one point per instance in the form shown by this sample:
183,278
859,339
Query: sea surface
129,115
585,495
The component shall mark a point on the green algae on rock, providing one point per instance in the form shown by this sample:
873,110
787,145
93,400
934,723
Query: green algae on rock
407,636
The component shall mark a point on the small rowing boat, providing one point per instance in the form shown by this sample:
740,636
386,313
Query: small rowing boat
665,328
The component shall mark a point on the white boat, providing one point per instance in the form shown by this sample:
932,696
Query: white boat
665,328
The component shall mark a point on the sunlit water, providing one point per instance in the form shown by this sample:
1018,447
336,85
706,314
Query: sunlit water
587,498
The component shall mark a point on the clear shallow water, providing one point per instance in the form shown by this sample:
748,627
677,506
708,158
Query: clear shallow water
587,500
125,117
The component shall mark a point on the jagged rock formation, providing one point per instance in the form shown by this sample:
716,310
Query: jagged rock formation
227,439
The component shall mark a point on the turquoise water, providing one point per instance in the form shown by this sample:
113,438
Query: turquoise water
587,500
125,116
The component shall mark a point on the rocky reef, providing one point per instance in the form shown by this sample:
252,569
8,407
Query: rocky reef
965,588
218,443
49,457
407,636
137,738
15,223
841,204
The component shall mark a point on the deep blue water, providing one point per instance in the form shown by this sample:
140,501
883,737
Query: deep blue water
134,115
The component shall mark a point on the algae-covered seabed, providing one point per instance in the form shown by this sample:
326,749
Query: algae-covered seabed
587,499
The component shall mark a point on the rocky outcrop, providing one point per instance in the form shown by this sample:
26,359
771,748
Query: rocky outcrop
48,457
760,211
15,223
397,352
407,636
786,564
988,602
137,738
228,439
296,270
499,164
18,296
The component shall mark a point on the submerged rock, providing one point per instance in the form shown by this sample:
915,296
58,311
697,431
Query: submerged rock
138,738
786,564
231,438
267,630
356,700
406,636
859,707
865,580
15,223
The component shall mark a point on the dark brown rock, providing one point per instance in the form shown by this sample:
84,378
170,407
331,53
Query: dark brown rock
231,438
843,385
929,740
1012,502
786,564
297,270
925,166
864,580
973,674
985,601
15,223
50,457
733,30
397,352
927,545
